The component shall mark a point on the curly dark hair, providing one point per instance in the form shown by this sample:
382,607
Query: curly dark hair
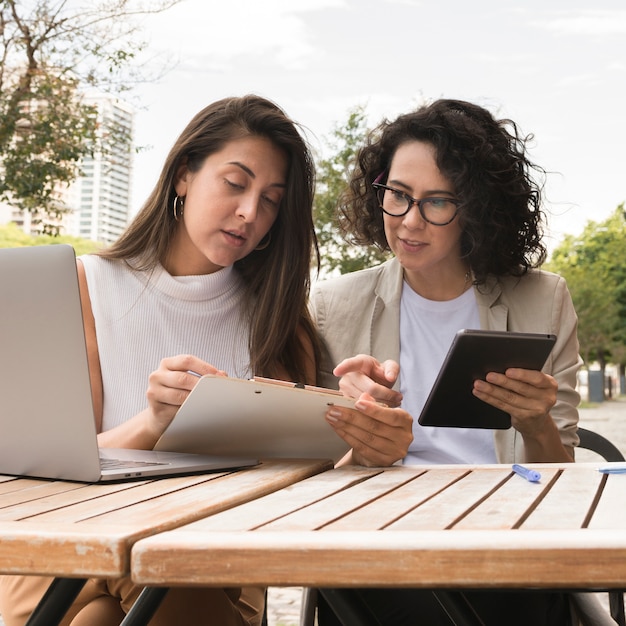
486,161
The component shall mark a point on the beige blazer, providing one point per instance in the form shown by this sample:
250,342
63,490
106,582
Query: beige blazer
359,313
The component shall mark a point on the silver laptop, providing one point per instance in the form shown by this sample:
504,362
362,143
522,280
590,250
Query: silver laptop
47,426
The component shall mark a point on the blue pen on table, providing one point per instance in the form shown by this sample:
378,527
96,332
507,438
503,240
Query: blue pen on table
613,468
532,476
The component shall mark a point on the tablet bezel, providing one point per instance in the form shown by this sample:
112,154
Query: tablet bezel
472,355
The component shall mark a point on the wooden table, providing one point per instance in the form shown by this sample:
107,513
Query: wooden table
431,527
74,531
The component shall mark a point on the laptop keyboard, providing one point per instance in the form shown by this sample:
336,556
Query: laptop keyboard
112,464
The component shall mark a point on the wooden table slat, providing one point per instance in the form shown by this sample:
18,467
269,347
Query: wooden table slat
379,558
459,530
57,498
568,502
321,512
118,502
266,509
69,550
447,507
509,504
611,510
56,535
28,490
390,506
206,498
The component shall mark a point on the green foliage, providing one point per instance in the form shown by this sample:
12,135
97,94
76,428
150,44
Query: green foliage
337,255
45,135
594,265
11,236
51,51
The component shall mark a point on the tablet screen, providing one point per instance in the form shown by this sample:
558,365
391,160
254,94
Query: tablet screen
472,355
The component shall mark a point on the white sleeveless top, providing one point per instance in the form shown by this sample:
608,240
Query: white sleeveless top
143,317
427,328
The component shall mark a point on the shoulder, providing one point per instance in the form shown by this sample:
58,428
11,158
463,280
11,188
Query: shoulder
538,301
346,308
102,271
359,282
93,264
535,284
359,277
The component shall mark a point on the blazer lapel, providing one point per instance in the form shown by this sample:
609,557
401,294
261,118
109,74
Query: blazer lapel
493,314
385,322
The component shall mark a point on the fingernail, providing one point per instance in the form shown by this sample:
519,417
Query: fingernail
333,415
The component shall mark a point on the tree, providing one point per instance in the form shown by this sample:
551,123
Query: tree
594,265
332,179
11,236
51,52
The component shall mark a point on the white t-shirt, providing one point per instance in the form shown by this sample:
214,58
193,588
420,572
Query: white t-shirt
427,328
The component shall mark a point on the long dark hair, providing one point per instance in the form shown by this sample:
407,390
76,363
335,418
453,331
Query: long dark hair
277,277
486,161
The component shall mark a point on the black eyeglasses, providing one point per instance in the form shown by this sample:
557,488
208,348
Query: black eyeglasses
435,210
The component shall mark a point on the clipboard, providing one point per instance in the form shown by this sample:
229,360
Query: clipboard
265,418
472,355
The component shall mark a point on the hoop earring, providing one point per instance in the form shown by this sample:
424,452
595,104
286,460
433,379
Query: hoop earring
177,207
262,245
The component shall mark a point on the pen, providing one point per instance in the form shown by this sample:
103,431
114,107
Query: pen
532,476
613,468
194,373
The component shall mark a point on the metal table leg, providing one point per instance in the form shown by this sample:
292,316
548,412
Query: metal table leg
348,607
145,606
616,604
457,608
56,601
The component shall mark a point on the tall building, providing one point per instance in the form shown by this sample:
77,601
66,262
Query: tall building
100,199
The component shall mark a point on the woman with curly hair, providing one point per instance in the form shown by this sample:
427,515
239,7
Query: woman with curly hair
449,190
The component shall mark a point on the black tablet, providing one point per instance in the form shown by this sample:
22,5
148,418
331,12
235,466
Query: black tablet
472,355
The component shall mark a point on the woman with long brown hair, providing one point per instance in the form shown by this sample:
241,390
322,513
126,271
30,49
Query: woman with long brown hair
211,277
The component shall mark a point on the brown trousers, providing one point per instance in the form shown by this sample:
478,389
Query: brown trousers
104,602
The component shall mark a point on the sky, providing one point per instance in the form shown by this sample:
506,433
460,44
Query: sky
556,67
